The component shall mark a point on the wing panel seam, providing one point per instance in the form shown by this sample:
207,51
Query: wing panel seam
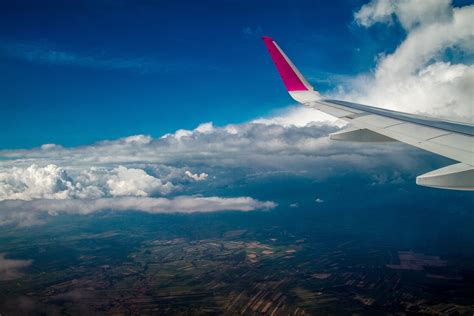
434,137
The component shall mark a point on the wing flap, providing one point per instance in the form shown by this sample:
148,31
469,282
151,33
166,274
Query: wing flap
455,177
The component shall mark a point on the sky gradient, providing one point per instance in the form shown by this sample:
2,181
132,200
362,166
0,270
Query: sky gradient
78,73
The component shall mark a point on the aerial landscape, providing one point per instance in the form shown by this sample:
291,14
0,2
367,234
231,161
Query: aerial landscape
241,264
153,163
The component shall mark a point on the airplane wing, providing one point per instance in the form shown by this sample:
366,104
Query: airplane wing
450,139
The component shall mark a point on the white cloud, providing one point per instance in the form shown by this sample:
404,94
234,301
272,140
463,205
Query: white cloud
197,177
319,200
15,211
418,76
233,144
35,182
299,116
205,128
53,182
135,182
179,134
180,204
10,268
113,168
410,13
138,139
294,205
49,146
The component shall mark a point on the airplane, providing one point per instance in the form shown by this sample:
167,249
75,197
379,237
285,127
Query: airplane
450,139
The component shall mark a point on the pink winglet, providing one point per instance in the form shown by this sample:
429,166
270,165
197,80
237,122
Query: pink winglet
288,75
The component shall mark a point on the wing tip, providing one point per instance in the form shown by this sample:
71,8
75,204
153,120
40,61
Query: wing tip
290,75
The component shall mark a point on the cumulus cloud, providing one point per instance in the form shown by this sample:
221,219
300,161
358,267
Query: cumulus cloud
204,128
53,182
130,181
299,116
10,269
420,75
319,200
197,177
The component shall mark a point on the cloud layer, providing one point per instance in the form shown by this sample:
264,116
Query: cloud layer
180,204
25,213
156,175
205,150
165,174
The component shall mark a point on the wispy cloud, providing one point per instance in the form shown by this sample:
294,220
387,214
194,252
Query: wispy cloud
10,269
249,31
42,54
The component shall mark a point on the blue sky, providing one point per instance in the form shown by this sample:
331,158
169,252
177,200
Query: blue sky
77,73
